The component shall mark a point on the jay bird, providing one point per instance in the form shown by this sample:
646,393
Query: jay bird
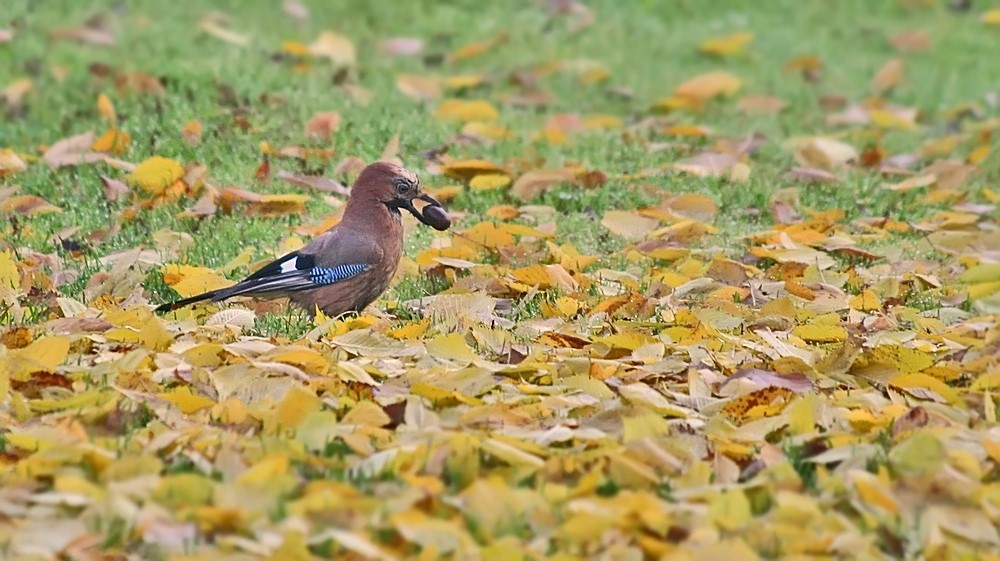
348,266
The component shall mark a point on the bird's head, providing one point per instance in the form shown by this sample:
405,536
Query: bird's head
396,187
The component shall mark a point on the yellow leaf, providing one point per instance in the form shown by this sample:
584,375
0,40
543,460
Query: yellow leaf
979,154
155,174
873,493
867,301
643,394
466,110
709,85
411,330
232,411
465,170
9,276
981,290
477,48
295,48
307,359
730,510
987,381
903,359
923,453
4,381
488,182
184,489
820,333
991,17
44,354
295,407
106,109
677,102
367,414
265,470
188,280
113,141
602,122
728,45
192,132
890,120
463,82
154,335
510,454
451,347
802,415
440,396
987,272
914,182
923,381
487,234
186,400
10,162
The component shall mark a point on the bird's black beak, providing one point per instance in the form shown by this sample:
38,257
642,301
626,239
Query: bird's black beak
408,205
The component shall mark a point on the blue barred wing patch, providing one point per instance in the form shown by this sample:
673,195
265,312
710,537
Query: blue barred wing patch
330,275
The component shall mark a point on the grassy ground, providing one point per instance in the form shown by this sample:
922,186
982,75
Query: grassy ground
647,46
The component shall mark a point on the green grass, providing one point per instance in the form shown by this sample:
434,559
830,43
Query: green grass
649,46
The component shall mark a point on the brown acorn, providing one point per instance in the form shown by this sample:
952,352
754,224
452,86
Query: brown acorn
436,217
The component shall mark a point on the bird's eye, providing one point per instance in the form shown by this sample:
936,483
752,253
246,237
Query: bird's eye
402,185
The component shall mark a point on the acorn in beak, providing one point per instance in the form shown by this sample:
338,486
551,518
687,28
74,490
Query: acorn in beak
433,215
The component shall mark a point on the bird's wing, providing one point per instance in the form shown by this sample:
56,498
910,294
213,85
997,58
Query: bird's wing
332,257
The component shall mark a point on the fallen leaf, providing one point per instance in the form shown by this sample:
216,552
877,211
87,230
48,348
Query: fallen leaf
726,46
888,76
536,182
712,84
156,174
322,125
420,88
336,47
402,46
466,110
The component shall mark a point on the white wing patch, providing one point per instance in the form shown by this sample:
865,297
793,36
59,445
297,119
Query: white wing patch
290,266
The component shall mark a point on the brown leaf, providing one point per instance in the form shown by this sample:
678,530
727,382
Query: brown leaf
419,88
317,182
27,205
214,25
752,104
336,47
17,89
71,151
92,35
296,9
402,46
912,41
114,190
628,224
391,151
536,182
813,175
796,382
322,125
887,77
709,85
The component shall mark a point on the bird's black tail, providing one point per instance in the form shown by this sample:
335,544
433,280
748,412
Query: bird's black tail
171,306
